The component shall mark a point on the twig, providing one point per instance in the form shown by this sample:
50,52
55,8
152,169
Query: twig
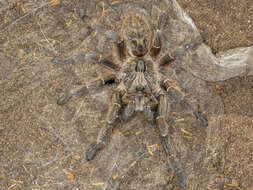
176,166
52,47
25,15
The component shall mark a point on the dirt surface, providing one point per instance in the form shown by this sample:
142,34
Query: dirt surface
42,145
225,25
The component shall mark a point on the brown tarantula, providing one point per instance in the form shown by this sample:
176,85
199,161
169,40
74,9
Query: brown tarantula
140,86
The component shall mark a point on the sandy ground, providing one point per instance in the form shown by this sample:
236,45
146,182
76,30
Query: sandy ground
42,145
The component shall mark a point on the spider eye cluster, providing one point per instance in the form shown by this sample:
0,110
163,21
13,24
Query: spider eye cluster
133,43
145,42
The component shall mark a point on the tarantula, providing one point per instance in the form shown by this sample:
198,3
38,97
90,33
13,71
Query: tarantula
140,86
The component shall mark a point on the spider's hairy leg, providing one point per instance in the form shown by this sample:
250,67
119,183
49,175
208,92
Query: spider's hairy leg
105,132
149,110
166,141
128,111
166,59
118,43
182,50
178,96
99,59
157,41
157,44
90,87
118,51
161,115
179,52
200,118
128,107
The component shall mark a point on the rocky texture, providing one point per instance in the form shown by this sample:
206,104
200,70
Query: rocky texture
43,145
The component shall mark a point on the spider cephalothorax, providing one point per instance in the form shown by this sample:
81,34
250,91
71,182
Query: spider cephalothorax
136,71
137,34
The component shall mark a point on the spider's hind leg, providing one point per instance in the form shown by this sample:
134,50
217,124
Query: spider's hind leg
202,120
167,142
149,111
161,115
178,96
105,132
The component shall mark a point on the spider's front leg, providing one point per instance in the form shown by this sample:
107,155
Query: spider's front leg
157,44
179,52
177,95
90,87
118,43
99,59
166,59
105,132
157,39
